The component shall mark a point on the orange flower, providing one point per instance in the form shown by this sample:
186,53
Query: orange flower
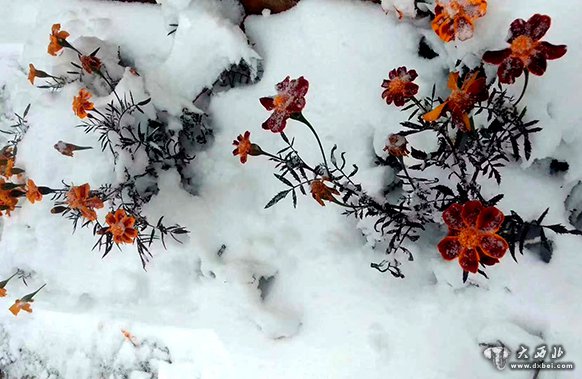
78,198
244,147
20,306
121,226
399,86
454,18
397,145
32,193
473,235
321,192
460,101
8,168
3,292
90,63
7,199
34,73
57,40
81,103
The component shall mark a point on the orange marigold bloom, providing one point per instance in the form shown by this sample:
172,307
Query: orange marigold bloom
57,39
7,200
34,73
32,192
121,226
526,51
90,63
78,198
20,306
81,103
399,86
3,292
473,235
321,192
396,145
454,18
461,100
8,168
244,147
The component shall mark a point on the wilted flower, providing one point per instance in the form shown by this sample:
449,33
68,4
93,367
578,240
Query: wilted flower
57,40
24,303
7,167
34,73
90,63
399,86
473,235
454,19
8,200
461,100
67,149
396,145
32,192
526,52
121,226
321,192
78,198
244,147
290,99
81,103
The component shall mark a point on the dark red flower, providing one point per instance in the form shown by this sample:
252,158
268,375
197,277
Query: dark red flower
290,99
473,235
399,86
526,52
396,145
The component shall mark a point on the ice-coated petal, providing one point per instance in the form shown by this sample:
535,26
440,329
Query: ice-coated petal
493,245
443,26
553,51
464,27
471,211
490,220
538,64
509,70
537,26
276,122
452,216
450,248
496,56
469,260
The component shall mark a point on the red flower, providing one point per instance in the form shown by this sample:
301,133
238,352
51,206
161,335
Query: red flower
526,52
90,63
290,99
460,101
399,86
244,147
454,18
473,235
396,145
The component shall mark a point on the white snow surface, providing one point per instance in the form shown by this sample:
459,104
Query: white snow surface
327,314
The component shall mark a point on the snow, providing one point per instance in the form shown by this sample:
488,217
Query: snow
292,295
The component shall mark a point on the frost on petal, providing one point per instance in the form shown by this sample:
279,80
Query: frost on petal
471,210
490,220
469,260
450,248
276,122
452,216
509,70
493,245
553,51
516,29
463,28
538,64
537,26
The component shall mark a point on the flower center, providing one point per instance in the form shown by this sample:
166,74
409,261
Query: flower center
469,237
244,146
523,47
280,100
118,228
396,85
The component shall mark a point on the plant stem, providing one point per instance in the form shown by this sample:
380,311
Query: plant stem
524,87
299,117
406,172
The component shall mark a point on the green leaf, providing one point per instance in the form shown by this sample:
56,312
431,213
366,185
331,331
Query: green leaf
278,197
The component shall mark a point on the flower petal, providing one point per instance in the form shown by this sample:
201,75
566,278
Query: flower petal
516,29
276,122
490,220
268,103
435,114
496,56
537,26
485,259
452,216
469,260
553,51
470,213
493,245
510,69
538,64
450,248
464,27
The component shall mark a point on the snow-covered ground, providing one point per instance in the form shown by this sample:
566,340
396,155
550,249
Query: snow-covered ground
293,294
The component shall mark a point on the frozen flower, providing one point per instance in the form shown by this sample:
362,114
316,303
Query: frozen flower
78,198
472,236
399,86
454,19
290,99
121,226
57,40
321,192
7,168
34,73
396,145
81,103
90,63
8,200
526,51
32,192
24,303
244,147
461,100
67,149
